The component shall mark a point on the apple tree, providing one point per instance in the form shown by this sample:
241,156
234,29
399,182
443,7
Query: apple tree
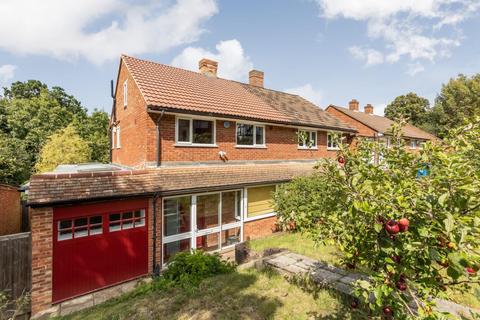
411,222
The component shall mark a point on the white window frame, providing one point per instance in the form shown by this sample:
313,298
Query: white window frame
119,145
413,144
114,136
194,233
191,143
254,145
305,143
329,133
125,93
246,218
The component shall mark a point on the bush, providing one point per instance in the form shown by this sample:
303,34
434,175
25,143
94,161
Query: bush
417,235
187,269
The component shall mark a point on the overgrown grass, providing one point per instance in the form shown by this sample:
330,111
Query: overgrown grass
247,294
301,244
298,243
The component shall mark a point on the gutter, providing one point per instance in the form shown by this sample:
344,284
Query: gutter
159,140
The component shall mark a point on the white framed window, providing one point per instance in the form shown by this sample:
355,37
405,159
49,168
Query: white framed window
195,132
331,143
125,94
250,135
118,138
126,220
413,144
79,227
307,139
114,132
259,202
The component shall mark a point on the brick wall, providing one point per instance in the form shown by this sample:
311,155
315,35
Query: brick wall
150,233
280,141
10,210
363,130
259,228
42,254
133,121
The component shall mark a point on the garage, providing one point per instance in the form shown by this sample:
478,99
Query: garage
98,245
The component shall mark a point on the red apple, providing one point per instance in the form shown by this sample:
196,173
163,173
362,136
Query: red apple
387,311
403,224
470,270
392,227
397,259
402,286
354,304
341,160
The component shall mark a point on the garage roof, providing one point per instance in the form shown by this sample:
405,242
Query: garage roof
64,188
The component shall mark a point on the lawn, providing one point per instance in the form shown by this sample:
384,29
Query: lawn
301,244
246,294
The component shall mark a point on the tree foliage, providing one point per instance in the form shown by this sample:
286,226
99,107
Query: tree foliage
13,160
410,107
63,147
358,205
30,113
459,100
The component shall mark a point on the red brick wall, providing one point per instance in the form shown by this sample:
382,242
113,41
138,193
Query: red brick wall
259,228
150,233
133,122
363,130
280,141
10,210
42,251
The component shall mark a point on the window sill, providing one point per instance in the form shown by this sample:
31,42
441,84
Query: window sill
263,216
251,147
195,145
333,149
307,148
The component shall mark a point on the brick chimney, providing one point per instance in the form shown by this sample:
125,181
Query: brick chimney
208,67
353,105
255,78
368,109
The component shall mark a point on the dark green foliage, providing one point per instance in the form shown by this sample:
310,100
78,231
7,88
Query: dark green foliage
410,107
30,112
187,269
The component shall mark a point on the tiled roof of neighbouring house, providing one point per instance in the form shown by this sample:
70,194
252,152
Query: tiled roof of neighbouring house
57,188
177,89
382,124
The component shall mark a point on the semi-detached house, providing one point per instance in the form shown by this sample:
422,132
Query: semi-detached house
196,159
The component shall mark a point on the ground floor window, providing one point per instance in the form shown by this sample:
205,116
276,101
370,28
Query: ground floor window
260,201
210,222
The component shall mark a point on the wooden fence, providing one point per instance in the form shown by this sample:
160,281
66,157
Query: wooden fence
15,264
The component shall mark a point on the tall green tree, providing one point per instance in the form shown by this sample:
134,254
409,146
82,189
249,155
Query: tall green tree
458,102
30,112
411,107
64,147
14,160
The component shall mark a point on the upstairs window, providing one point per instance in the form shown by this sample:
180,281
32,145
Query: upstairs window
331,142
250,135
307,139
125,94
195,132
114,132
118,138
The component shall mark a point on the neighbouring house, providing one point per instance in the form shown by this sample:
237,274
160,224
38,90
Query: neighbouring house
376,127
10,210
195,159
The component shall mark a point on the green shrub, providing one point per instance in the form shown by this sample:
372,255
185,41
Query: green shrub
187,269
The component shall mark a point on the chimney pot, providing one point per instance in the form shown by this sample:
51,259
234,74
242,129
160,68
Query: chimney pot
368,109
353,105
255,78
208,67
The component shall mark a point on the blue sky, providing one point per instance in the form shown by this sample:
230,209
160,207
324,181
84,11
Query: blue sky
326,50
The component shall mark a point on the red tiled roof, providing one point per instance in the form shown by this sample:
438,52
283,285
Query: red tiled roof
383,124
52,188
172,88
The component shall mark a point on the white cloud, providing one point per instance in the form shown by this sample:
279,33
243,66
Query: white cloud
370,56
408,28
99,30
7,72
414,68
232,62
308,92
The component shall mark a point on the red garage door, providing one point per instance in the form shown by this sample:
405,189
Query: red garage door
98,245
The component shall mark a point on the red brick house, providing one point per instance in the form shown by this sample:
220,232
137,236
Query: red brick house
195,161
376,127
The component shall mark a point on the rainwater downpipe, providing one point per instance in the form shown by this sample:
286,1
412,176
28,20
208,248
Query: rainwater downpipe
156,266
